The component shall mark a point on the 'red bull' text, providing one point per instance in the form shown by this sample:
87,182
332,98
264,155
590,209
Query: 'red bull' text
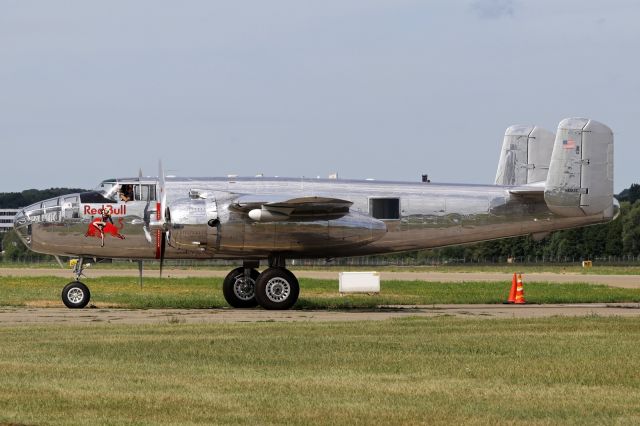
115,211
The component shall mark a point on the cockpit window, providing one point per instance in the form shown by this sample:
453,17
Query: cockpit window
108,189
115,191
94,197
145,192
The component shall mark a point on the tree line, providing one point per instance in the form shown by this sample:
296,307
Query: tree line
15,200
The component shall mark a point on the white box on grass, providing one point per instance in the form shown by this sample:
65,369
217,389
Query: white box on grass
359,282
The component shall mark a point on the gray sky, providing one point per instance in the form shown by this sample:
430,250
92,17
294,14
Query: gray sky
380,89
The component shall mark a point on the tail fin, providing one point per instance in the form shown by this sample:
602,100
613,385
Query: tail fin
525,155
580,181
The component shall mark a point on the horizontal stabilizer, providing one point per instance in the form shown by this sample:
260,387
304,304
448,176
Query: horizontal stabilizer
533,191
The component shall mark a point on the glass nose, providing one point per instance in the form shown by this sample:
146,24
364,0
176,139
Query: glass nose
22,225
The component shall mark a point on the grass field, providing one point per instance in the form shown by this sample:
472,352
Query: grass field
412,371
315,294
598,269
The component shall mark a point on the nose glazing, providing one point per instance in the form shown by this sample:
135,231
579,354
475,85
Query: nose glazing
22,225
47,211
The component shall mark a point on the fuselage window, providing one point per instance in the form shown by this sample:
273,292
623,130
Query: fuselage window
50,203
70,206
384,208
149,192
145,192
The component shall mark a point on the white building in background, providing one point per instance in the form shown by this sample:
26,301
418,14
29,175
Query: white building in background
6,219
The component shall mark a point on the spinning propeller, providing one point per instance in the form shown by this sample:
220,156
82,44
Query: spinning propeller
160,224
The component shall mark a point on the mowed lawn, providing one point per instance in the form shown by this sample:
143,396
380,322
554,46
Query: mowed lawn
125,292
412,371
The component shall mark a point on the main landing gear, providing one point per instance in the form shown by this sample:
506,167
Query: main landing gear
276,288
76,295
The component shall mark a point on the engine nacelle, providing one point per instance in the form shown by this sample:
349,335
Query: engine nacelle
193,224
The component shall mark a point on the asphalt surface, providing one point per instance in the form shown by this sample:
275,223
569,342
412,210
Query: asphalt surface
624,281
10,316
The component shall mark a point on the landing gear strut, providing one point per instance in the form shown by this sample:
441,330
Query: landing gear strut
276,288
76,295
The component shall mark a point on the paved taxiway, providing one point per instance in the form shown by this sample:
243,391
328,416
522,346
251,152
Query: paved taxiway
10,316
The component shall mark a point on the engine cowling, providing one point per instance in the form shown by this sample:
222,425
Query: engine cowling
193,224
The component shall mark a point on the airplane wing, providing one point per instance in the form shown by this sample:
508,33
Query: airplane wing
265,207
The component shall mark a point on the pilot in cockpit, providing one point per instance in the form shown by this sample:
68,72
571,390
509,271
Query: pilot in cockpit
126,193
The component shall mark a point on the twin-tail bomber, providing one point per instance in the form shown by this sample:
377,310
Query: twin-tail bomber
544,183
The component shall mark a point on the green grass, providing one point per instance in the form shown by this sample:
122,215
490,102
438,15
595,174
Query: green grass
597,269
573,268
411,371
315,294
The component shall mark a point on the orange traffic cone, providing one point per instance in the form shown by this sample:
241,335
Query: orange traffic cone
512,293
520,291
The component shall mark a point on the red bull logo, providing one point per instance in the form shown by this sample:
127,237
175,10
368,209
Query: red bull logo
116,211
103,224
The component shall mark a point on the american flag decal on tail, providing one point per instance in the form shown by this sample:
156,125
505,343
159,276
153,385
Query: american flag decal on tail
568,143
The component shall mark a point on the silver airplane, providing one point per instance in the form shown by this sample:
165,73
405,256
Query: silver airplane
544,183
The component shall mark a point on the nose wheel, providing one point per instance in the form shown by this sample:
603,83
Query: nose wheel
76,295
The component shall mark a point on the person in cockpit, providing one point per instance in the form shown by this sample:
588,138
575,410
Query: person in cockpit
126,193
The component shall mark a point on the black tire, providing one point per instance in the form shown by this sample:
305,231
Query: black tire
76,295
277,289
236,292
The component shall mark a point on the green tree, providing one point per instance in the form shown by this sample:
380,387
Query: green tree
14,249
631,230
14,200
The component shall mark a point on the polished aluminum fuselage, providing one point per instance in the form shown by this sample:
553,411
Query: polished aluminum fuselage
431,215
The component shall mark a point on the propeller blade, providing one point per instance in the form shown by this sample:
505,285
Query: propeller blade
161,215
162,198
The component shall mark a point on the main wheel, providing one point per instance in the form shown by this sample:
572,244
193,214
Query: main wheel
238,291
277,288
75,295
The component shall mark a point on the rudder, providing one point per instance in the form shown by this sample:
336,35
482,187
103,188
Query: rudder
580,180
525,155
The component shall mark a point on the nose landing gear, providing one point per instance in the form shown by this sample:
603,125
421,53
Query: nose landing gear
76,295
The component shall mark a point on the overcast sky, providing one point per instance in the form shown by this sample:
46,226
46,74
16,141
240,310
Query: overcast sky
370,89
